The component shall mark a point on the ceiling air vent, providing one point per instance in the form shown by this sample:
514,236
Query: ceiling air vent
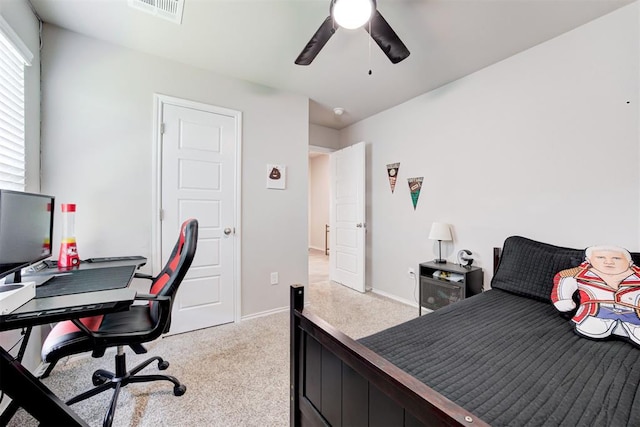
170,10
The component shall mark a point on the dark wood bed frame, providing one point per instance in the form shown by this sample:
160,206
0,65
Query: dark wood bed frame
336,381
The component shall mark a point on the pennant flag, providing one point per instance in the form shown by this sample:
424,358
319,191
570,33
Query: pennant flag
415,185
392,171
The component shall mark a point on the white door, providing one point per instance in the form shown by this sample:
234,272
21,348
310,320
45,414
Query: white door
347,217
198,180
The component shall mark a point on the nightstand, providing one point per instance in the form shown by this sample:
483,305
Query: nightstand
443,284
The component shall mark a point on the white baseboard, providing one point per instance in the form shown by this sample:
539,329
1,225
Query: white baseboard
269,312
395,297
425,310
40,369
264,313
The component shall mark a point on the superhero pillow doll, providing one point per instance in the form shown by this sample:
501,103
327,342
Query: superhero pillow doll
608,285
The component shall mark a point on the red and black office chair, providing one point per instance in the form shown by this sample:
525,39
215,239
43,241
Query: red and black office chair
140,324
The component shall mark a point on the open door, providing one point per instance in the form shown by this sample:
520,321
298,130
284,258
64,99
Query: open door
347,217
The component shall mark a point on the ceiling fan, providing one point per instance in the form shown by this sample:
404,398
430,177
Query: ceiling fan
377,27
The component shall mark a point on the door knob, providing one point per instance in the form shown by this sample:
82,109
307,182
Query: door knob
359,225
227,231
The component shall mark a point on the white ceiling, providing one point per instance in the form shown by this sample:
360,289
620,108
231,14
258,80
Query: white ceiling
258,40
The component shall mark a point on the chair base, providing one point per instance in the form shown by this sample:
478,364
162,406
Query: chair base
104,380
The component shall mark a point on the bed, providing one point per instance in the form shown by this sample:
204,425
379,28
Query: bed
505,357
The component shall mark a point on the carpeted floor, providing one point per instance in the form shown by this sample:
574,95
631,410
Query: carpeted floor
236,374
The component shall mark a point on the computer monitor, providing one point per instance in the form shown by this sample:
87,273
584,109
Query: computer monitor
26,231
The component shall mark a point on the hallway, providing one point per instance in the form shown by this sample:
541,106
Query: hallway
318,266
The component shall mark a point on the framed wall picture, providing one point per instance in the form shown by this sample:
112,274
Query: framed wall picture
277,177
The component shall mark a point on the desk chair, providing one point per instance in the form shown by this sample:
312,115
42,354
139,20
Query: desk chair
140,324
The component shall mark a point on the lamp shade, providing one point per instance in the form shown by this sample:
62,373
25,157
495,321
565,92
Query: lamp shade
440,231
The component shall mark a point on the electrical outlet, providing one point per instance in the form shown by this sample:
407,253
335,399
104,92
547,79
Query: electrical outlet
411,272
274,278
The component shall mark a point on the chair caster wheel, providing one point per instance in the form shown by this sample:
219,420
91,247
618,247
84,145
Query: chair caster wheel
179,390
98,379
163,365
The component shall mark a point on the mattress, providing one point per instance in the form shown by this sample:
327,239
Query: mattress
515,361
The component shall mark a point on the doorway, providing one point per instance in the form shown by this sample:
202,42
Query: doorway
337,187
319,200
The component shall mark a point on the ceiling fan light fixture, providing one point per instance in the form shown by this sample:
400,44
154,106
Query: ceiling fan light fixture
352,14
378,28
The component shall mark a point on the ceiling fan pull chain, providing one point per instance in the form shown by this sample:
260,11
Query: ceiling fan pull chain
369,38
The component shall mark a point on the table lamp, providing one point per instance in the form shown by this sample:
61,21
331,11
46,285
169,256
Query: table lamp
440,231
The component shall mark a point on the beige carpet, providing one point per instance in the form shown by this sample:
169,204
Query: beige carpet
236,374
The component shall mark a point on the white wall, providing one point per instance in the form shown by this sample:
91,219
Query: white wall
97,108
543,144
319,193
322,136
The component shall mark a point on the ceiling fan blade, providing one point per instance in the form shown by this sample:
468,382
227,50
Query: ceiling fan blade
317,42
386,38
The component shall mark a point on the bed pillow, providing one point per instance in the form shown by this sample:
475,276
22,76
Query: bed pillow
527,267
602,293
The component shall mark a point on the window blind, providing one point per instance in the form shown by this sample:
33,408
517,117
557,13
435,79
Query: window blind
12,123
